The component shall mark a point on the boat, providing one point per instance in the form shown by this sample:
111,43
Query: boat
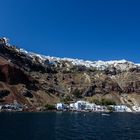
105,114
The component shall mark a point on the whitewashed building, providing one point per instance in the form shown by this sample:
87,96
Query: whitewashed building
72,106
4,41
60,106
90,106
80,105
136,108
121,108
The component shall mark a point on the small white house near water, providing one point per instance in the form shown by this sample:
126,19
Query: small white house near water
136,108
121,108
60,106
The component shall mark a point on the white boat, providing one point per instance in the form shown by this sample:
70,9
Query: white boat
105,114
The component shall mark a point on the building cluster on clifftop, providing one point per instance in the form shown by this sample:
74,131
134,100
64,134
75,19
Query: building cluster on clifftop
4,41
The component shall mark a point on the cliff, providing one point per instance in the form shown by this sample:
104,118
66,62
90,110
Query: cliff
37,80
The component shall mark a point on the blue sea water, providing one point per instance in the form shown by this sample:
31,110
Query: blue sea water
69,126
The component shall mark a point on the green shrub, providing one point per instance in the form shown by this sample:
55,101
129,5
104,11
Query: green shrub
49,107
107,102
104,102
96,101
77,93
66,99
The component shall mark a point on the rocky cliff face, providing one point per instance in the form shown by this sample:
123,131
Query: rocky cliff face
37,80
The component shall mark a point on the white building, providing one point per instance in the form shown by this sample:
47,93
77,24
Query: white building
121,108
60,106
4,41
72,106
98,108
136,108
80,105
90,106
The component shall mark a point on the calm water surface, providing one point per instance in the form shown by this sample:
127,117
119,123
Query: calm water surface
69,126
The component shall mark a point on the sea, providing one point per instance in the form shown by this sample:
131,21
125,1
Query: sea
69,126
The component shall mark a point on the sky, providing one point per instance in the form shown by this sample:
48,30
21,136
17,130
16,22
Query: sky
85,29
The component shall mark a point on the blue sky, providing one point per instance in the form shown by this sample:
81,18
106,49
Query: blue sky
87,29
